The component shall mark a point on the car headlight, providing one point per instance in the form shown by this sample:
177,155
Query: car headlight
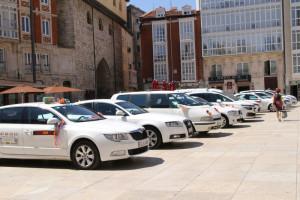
233,112
116,137
247,107
208,118
174,124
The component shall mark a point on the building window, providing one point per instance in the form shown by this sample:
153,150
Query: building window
8,22
2,60
25,25
137,36
242,69
160,52
27,57
45,26
160,72
270,68
44,1
137,21
114,3
88,17
186,30
188,71
296,16
110,30
296,63
216,70
187,50
242,42
159,32
160,12
296,39
138,48
46,63
242,19
100,25
120,5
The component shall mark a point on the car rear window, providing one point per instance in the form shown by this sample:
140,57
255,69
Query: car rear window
123,97
139,100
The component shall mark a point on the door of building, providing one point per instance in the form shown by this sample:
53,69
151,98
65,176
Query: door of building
270,83
294,90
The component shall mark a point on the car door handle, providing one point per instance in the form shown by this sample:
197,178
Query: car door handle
27,132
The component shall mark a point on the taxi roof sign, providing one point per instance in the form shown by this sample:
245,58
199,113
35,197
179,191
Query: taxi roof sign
49,100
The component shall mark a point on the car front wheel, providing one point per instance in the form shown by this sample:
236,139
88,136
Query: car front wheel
154,136
85,155
225,121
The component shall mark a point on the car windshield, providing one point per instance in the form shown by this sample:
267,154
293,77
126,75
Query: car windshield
133,109
186,99
262,95
202,101
77,113
230,96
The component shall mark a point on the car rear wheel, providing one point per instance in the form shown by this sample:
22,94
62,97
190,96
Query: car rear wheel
225,121
154,136
85,155
272,108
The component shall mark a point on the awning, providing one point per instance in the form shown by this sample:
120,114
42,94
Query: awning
6,84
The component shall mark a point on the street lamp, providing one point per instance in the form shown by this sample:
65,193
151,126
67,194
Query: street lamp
32,42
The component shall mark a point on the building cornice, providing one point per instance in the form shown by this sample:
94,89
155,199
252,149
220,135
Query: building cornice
100,7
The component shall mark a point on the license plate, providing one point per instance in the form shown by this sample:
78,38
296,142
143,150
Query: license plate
143,143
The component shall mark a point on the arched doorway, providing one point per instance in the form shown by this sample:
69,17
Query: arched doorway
105,80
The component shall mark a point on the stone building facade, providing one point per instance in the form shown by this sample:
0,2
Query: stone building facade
95,34
134,25
54,65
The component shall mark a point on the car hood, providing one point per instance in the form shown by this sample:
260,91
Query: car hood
107,126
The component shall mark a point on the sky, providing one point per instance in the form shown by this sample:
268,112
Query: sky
147,5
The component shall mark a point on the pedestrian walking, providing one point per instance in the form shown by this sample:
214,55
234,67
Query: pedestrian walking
277,102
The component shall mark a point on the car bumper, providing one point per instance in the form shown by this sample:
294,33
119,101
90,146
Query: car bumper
171,134
233,119
207,125
110,150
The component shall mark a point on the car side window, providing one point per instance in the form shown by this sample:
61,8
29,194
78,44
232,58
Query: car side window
242,96
139,100
253,97
37,115
88,105
123,97
174,102
106,108
223,98
159,101
12,115
210,97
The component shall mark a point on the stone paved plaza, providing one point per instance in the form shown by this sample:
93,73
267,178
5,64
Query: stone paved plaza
255,160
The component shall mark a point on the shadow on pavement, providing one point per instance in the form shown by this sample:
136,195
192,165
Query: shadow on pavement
50,164
180,145
213,135
254,120
238,126
136,162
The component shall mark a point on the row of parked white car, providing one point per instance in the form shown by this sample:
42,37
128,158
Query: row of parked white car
88,132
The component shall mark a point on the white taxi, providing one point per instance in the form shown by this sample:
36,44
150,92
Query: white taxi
67,132
160,128
203,118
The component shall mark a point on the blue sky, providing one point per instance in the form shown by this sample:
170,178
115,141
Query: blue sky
147,5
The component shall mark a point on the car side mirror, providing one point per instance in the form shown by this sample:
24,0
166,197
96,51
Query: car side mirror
219,100
52,121
120,113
